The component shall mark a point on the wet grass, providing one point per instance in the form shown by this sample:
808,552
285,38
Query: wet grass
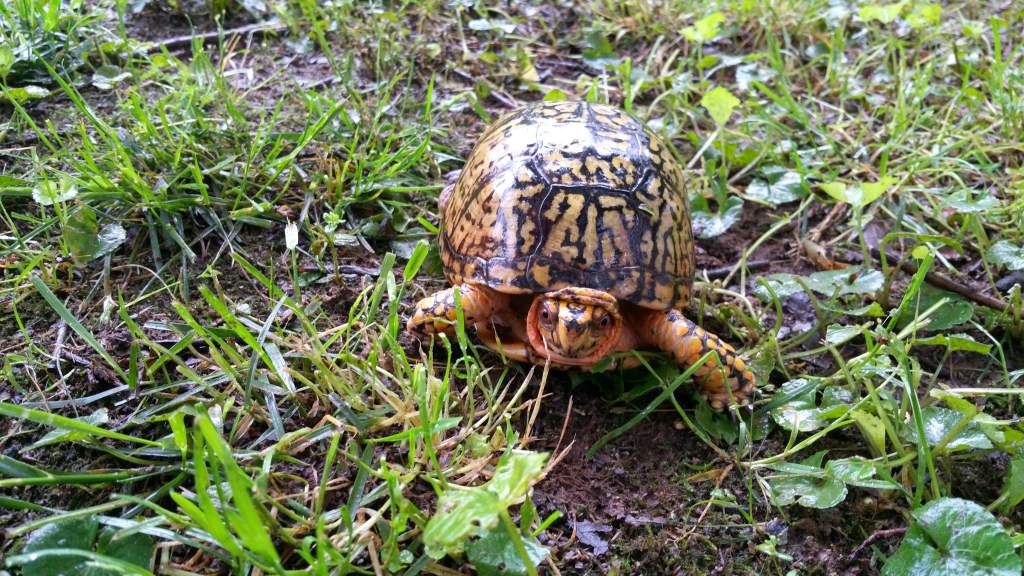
209,250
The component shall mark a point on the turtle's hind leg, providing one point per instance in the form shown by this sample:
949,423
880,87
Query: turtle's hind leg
437,313
673,333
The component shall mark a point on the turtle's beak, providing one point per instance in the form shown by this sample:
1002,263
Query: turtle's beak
572,331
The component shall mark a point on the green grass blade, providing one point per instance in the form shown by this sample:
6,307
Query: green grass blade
63,423
75,325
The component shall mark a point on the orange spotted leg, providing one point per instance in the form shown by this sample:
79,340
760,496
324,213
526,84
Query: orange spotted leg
436,313
673,333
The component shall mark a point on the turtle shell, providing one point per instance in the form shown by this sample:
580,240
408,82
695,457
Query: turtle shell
562,194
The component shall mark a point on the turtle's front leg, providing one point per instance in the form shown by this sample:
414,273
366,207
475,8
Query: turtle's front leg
436,313
671,332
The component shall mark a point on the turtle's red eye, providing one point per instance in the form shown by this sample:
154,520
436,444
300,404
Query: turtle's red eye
547,314
605,321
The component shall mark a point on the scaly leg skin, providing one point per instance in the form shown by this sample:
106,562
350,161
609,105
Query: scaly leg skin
673,333
436,313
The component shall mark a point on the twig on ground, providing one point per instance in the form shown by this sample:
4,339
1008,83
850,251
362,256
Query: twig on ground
186,40
876,536
946,283
723,271
826,223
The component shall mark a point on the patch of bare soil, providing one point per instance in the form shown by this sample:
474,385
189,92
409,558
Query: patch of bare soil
643,503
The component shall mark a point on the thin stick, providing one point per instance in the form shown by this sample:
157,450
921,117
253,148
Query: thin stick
877,535
946,283
186,40
723,271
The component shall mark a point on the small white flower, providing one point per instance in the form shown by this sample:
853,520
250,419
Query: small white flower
291,235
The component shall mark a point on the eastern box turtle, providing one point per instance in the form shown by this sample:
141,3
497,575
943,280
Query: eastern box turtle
568,237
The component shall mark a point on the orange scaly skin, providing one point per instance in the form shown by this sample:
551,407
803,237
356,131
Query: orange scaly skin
672,332
436,313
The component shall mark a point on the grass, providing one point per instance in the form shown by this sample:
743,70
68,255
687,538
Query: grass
209,251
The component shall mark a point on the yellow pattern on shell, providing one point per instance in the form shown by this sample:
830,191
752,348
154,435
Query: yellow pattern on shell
563,194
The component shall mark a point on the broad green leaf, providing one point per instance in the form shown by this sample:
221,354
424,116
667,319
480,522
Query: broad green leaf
715,424
808,491
80,234
134,548
806,484
857,471
790,391
719,103
778,185
811,485
465,512
801,413
938,422
110,238
495,553
704,29
836,190
555,95
837,334
852,280
1013,489
860,195
709,225
107,76
6,61
884,13
76,533
956,537
514,474
461,513
873,310
871,191
955,402
600,53
925,15
965,202
50,192
956,343
954,312
24,93
1007,254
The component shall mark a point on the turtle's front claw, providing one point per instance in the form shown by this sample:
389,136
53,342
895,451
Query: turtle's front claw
437,313
724,379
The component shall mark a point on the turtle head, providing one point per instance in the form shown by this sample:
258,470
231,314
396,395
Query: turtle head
574,326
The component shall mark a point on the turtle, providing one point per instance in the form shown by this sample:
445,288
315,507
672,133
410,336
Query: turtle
566,238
